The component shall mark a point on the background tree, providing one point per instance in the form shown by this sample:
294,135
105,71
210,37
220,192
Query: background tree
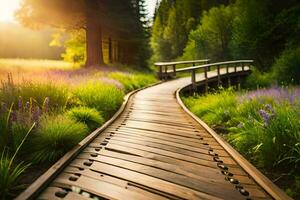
173,22
212,37
116,18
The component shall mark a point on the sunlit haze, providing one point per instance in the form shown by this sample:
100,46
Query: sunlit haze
7,10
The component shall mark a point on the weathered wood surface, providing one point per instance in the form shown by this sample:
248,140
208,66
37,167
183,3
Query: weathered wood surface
155,150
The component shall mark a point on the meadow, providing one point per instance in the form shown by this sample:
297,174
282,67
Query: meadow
47,107
263,125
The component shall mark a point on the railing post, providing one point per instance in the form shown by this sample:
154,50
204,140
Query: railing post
160,76
206,78
235,65
166,72
174,69
243,66
227,69
194,80
219,78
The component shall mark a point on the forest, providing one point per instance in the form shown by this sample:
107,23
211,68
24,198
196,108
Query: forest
67,66
266,31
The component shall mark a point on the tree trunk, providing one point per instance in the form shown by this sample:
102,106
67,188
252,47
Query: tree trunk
93,37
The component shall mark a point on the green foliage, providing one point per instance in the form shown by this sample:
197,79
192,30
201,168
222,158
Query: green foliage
11,172
264,125
55,136
133,81
262,30
89,116
5,115
57,95
215,109
103,97
287,67
258,79
212,37
75,47
172,24
9,176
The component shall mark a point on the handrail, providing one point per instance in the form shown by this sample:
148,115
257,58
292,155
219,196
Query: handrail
219,65
163,71
216,64
164,74
181,62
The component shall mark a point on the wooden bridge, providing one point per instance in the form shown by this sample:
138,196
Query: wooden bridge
154,148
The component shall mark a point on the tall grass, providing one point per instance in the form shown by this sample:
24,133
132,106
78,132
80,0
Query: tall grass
55,136
103,97
57,95
133,81
260,124
11,172
89,116
263,125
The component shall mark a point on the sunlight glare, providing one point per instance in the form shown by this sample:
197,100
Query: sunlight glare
7,10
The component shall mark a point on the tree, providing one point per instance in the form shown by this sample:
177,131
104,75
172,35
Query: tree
96,17
212,37
173,22
263,29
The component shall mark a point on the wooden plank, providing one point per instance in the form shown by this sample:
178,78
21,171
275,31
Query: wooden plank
207,173
159,184
99,188
49,193
209,186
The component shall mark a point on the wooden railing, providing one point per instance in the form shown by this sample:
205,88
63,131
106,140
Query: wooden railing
220,65
163,67
241,64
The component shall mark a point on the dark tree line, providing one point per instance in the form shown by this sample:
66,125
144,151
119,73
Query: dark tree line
221,30
117,19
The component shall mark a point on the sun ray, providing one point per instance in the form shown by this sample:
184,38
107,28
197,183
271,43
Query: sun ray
7,10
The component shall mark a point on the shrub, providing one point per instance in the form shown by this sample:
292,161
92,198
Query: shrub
287,67
258,80
55,136
105,98
91,117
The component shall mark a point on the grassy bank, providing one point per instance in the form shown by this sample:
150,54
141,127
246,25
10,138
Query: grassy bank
47,110
263,125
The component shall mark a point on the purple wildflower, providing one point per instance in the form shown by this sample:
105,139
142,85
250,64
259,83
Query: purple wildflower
20,103
36,114
265,116
14,116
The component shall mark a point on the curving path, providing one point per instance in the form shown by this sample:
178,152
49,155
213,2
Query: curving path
154,150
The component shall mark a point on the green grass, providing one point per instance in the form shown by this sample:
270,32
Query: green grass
133,81
11,171
105,98
264,126
89,116
57,94
55,136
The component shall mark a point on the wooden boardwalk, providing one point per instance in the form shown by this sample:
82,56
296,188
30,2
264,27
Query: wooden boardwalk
153,150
